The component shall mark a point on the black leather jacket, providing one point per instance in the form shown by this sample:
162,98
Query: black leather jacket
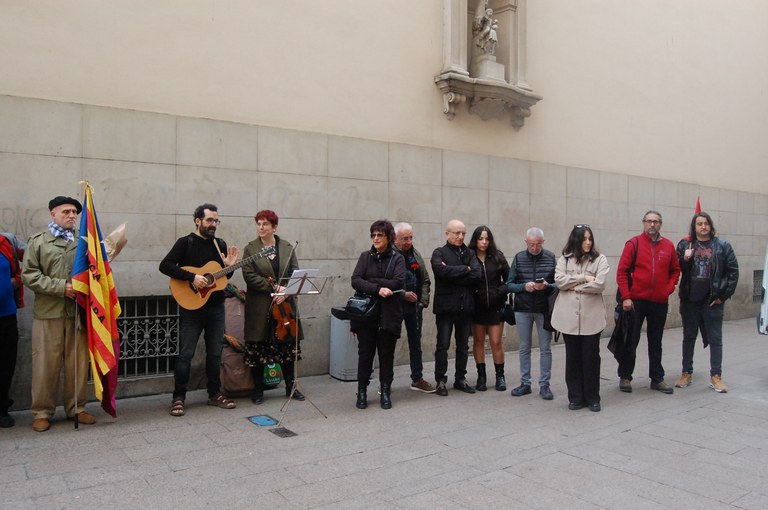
725,270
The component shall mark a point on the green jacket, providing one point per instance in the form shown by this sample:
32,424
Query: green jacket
258,299
47,267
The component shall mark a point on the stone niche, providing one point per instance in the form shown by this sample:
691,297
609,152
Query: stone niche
484,59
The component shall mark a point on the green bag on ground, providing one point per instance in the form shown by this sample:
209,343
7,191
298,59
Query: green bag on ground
273,374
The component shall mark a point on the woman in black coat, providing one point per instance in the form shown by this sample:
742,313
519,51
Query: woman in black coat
380,272
489,296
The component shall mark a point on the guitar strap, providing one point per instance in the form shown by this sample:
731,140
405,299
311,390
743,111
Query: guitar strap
219,251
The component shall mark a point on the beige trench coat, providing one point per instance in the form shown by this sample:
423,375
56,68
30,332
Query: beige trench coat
579,309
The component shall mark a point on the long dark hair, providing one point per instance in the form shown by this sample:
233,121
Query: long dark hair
707,217
573,246
492,251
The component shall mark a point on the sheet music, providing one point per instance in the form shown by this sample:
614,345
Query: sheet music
299,276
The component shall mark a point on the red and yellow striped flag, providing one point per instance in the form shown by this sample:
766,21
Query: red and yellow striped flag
92,280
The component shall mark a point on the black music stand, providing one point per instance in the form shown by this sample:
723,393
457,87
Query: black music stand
301,282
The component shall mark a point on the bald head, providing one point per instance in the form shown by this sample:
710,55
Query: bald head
455,231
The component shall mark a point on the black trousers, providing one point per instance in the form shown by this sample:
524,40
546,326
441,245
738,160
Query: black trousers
9,340
655,314
446,323
582,368
369,341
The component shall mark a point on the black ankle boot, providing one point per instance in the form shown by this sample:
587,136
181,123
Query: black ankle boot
362,396
501,384
481,379
386,402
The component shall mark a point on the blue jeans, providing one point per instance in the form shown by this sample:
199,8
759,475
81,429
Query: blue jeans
525,322
446,323
412,317
209,318
708,319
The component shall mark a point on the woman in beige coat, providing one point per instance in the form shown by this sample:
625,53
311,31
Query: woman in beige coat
579,314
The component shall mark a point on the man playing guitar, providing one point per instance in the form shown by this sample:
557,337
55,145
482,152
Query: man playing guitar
198,249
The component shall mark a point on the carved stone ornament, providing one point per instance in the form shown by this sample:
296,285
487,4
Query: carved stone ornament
485,59
486,98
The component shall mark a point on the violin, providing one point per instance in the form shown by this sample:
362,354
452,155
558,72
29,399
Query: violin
286,326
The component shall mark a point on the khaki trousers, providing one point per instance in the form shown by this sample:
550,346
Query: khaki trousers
54,343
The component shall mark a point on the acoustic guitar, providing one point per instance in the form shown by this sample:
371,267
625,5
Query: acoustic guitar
190,297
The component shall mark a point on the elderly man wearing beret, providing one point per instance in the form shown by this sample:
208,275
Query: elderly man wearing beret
47,271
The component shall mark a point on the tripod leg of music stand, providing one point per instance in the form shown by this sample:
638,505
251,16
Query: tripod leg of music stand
296,385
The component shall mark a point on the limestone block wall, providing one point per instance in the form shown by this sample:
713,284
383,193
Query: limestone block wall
152,170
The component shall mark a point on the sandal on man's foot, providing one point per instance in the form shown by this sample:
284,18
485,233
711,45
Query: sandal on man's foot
220,400
177,407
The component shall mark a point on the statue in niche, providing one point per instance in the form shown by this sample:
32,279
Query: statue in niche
484,29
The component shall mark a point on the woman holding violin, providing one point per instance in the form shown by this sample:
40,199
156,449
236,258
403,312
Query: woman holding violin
380,272
271,324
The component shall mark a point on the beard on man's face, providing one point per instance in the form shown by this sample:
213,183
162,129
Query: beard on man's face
207,231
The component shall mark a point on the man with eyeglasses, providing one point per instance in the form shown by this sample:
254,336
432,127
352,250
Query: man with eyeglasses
531,280
197,249
457,272
647,275
415,300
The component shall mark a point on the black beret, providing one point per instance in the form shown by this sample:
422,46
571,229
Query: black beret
60,200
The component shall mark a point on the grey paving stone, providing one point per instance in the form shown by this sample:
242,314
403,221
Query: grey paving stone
692,449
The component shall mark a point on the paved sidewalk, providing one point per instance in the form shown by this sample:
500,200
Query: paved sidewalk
694,449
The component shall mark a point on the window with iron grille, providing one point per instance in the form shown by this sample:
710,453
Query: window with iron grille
149,328
757,286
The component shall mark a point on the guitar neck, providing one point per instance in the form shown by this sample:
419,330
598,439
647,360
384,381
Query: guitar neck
237,265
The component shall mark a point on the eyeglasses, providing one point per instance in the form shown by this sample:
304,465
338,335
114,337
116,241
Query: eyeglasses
582,225
376,235
458,233
406,238
212,221
652,222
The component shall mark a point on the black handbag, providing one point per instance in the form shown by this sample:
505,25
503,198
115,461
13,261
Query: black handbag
551,300
507,313
363,308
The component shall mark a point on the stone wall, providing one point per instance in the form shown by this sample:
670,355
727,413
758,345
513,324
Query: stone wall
151,170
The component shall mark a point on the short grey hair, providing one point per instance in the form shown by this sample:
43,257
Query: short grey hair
402,226
534,232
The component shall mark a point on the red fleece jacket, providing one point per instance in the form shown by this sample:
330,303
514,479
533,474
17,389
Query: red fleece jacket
656,269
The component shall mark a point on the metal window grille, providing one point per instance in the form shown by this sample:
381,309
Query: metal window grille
149,330
757,286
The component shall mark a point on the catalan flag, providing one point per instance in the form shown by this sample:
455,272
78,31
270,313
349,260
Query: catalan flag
92,280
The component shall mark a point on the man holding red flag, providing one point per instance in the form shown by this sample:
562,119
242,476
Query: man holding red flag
47,271
92,280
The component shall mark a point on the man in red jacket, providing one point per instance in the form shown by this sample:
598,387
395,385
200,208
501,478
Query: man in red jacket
647,274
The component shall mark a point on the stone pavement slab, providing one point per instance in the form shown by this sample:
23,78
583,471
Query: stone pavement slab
693,449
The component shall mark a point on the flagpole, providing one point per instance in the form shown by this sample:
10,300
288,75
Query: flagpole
74,336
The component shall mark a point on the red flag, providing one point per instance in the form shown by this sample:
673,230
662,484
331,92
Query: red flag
698,205
92,280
